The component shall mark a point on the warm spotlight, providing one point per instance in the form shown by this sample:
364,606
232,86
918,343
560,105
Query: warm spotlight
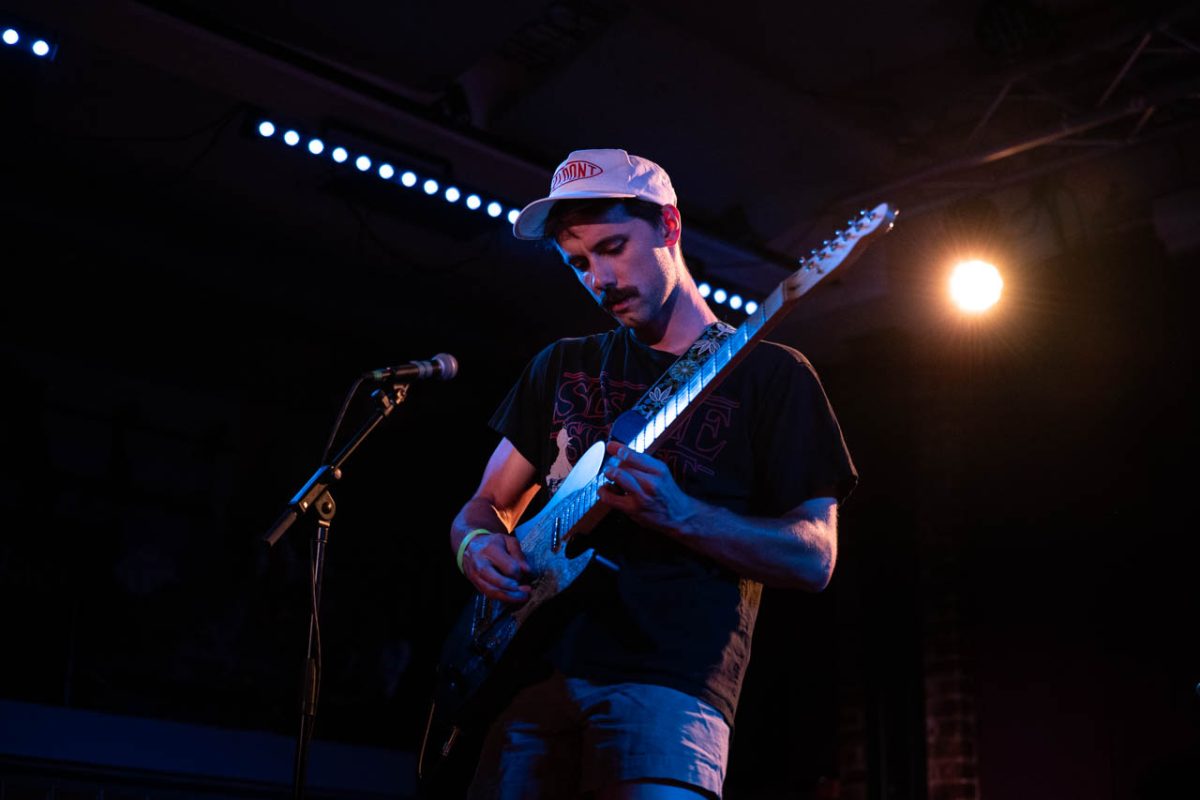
975,285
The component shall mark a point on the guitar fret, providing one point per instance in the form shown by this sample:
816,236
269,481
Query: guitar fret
773,302
755,320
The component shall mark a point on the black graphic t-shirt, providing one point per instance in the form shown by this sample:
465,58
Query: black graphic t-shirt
764,441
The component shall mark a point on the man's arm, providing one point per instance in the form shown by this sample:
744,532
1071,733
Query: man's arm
493,562
797,550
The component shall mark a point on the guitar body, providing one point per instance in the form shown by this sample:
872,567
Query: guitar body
474,677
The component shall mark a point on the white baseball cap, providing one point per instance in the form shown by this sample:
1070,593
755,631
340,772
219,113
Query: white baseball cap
587,174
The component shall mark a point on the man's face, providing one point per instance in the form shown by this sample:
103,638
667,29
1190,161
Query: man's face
625,265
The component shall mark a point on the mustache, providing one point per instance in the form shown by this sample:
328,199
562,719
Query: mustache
613,296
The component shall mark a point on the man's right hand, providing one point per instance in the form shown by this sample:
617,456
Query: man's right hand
495,565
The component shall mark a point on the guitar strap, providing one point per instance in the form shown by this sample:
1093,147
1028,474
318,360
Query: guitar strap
627,426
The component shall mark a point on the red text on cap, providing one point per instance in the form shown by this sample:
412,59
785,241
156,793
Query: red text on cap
574,171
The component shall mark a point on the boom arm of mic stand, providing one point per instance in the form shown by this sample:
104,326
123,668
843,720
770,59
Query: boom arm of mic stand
318,484
303,500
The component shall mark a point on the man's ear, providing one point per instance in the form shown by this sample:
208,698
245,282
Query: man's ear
672,225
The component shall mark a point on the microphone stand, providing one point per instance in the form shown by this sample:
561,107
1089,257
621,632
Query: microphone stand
315,496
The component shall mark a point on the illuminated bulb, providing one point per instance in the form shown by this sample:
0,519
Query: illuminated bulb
10,36
473,201
735,302
751,307
719,296
513,213
363,163
452,194
40,48
386,171
266,129
430,186
409,179
340,154
316,147
705,289
975,285
494,209
291,138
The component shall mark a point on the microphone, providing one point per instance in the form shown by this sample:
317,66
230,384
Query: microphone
443,366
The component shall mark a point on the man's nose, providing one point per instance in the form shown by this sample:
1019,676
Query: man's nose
601,276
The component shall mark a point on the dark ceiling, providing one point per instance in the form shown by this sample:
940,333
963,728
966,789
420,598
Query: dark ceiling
777,121
189,302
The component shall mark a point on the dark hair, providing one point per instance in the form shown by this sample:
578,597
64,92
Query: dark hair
566,213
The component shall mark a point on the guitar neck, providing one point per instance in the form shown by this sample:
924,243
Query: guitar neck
712,370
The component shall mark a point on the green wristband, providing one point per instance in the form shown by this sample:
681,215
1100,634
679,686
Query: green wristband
462,546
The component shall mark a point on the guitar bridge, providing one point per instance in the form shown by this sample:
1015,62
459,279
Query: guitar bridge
480,617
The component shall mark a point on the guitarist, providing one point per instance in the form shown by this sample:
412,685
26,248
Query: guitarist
640,684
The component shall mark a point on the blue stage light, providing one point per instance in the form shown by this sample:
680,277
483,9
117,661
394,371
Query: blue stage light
40,48
291,138
363,163
719,296
704,289
409,179
751,307
473,201
452,194
386,171
10,36
316,147
266,128
494,209
735,302
430,186
340,154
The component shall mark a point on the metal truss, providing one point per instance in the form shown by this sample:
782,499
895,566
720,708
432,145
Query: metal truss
1124,89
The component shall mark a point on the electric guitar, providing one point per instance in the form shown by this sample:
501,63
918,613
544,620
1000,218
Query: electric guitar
552,541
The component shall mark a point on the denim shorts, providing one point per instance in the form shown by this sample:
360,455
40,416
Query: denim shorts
568,737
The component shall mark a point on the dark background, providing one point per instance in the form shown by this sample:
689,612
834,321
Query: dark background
187,306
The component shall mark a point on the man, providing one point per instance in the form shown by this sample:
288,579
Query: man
642,679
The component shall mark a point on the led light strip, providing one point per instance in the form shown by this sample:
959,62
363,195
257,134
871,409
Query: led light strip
363,162
406,178
10,37
721,297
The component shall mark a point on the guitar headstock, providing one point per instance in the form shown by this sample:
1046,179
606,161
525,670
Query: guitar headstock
836,251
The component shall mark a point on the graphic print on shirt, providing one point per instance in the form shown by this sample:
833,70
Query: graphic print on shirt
586,406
